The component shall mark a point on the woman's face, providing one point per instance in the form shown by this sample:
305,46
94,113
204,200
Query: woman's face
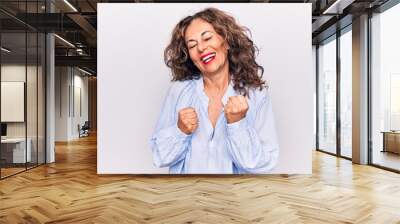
207,49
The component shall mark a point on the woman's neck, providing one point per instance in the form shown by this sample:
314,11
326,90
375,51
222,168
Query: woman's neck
217,82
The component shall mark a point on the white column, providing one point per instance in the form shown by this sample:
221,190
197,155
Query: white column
360,90
50,100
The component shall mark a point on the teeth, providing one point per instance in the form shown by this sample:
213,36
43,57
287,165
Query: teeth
208,58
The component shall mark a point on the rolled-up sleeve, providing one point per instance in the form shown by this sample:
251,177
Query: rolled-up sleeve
254,147
169,144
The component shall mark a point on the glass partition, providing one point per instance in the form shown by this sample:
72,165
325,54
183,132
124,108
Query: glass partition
13,110
327,96
41,107
22,77
31,100
33,72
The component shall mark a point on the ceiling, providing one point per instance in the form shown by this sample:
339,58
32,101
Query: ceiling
76,22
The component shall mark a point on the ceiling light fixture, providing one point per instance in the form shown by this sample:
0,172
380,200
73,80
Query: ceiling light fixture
70,5
84,71
64,40
5,50
337,7
79,51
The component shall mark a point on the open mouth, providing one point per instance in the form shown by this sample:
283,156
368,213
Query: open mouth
207,58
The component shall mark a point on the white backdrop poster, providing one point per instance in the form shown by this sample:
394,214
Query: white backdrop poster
133,82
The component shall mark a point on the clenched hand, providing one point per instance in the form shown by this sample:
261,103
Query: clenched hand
236,108
187,120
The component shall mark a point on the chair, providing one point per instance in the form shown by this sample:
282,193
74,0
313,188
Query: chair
84,130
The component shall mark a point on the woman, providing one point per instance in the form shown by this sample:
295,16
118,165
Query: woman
217,116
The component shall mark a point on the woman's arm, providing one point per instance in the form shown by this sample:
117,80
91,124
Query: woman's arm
254,147
169,144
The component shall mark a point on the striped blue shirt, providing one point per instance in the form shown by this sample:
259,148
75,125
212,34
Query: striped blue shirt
246,146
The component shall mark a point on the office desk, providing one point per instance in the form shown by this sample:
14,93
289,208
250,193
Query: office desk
391,141
15,148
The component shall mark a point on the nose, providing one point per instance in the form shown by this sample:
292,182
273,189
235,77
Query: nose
201,46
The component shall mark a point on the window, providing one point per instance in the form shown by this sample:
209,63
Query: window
385,88
327,96
346,93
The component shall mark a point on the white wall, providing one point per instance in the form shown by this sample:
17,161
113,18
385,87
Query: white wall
67,85
61,103
80,102
17,73
12,73
12,101
133,80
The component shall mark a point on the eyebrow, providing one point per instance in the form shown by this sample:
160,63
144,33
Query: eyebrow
202,34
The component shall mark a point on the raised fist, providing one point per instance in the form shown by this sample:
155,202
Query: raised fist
236,108
187,120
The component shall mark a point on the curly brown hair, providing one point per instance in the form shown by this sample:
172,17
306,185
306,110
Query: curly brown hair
243,68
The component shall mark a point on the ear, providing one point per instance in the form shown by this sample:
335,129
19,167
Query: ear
227,46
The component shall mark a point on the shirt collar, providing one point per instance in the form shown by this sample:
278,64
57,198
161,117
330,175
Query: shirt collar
200,90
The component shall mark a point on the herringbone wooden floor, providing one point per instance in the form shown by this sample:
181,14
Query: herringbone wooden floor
70,191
